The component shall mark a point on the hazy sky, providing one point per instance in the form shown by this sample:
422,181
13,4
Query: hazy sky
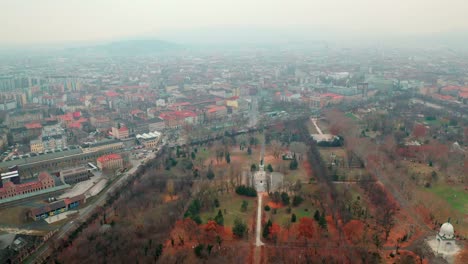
59,21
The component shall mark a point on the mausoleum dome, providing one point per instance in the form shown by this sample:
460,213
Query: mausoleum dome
447,231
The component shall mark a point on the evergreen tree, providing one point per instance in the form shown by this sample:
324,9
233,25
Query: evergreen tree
244,206
249,151
269,168
317,215
297,200
266,228
285,198
322,221
253,167
219,218
240,228
210,174
228,157
294,164
293,218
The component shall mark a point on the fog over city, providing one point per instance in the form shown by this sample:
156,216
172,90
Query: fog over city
30,22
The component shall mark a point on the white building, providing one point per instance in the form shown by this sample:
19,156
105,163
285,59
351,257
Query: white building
444,243
264,181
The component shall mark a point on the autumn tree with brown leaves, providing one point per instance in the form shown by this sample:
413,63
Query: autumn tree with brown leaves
306,228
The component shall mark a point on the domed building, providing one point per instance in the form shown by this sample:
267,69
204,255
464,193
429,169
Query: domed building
446,232
446,237
444,243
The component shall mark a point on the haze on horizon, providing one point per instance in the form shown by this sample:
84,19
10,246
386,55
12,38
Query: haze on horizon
31,22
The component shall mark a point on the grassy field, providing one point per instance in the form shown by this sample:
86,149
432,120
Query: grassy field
436,122
230,206
326,152
305,209
323,126
13,216
352,116
454,195
421,168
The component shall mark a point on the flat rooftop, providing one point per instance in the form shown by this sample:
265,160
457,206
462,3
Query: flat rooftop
30,195
39,158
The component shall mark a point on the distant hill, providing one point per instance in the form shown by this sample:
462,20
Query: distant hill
127,48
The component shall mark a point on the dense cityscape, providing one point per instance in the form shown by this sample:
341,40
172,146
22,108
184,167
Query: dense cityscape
154,151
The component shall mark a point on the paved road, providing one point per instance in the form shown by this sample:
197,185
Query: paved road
258,227
253,113
314,121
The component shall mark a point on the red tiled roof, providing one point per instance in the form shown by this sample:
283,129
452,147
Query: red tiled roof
214,109
177,115
33,125
75,125
185,114
180,104
136,111
332,95
443,97
463,94
74,199
66,117
43,175
451,88
109,157
111,94
133,87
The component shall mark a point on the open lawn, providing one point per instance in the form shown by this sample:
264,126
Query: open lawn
230,206
311,128
305,209
325,152
202,153
323,126
456,196
435,122
352,116
421,168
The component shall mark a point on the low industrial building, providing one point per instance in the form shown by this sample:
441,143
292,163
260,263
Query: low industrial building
75,175
54,161
56,208
10,189
106,144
